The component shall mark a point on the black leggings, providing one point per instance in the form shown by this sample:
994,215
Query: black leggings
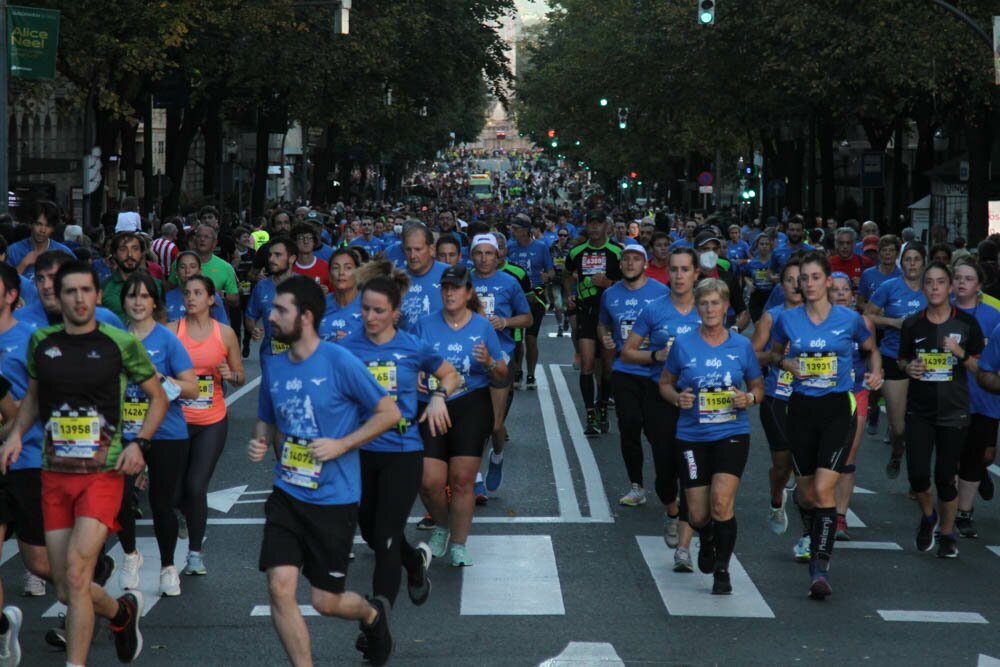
389,485
660,423
629,393
206,448
925,439
982,435
165,460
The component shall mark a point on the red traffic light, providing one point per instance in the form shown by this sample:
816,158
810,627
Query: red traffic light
633,174
552,133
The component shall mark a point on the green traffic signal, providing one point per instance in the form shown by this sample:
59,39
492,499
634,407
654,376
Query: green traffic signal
706,12
604,101
555,144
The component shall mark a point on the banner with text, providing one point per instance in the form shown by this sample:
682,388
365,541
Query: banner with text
32,41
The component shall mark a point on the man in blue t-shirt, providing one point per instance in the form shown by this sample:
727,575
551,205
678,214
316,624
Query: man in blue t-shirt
534,257
424,295
780,255
282,253
22,255
315,395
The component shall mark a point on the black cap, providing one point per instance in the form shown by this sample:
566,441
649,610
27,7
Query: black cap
521,220
459,276
704,236
598,215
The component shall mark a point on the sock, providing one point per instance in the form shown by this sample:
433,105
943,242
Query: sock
706,532
725,542
121,616
587,390
4,624
605,391
962,514
496,458
479,477
823,530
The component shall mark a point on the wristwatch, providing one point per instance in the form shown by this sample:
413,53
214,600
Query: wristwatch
144,444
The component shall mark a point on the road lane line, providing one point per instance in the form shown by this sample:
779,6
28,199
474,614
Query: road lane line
987,661
569,506
512,575
861,490
583,654
265,610
995,550
854,521
242,391
854,544
597,499
904,616
689,594
995,469
259,521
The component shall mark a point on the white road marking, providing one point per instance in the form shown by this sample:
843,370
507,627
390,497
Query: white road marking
995,550
251,501
569,506
987,661
995,469
853,521
689,594
586,654
224,499
265,610
511,575
597,499
10,549
852,544
931,616
242,391
149,573
259,521
862,491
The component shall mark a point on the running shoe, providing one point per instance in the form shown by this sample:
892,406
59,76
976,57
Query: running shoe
721,584
195,564
706,555
803,549
481,496
670,534
128,577
925,532
56,637
128,639
378,635
34,587
986,487
427,523
182,526
170,582
361,644
636,496
591,423
820,588
965,525
873,415
10,647
531,385
418,586
519,381
460,556
682,560
103,570
602,419
892,467
246,350
494,474
439,541
948,548
842,534
791,483
777,518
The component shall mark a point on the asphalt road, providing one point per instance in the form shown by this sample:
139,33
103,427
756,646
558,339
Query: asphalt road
562,570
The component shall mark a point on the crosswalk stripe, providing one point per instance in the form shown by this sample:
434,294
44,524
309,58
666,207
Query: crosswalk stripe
689,594
586,654
512,575
854,521
854,544
987,661
569,506
995,550
900,615
265,610
10,550
149,574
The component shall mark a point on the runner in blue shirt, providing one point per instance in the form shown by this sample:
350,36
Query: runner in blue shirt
367,238
648,345
23,254
282,253
467,341
795,234
756,273
343,304
886,269
979,450
47,309
392,464
621,305
894,301
168,454
704,373
815,343
188,264
318,397
737,250
506,307
534,257
424,295
774,409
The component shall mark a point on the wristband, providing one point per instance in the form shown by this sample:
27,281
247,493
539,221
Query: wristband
438,392
144,444
492,365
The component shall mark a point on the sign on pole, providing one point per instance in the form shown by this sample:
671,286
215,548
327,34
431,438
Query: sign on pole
32,41
994,217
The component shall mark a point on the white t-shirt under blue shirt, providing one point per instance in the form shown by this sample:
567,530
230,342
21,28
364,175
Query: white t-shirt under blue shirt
323,396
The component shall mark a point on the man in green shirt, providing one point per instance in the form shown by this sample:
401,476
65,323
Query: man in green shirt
129,253
219,271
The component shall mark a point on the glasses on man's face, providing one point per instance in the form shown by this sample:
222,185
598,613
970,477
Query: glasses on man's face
563,236
305,237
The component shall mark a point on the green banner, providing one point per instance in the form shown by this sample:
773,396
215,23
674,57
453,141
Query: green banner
32,41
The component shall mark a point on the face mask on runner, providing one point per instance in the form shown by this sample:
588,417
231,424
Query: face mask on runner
708,260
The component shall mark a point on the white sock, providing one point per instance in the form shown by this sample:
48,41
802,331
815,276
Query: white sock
479,477
496,458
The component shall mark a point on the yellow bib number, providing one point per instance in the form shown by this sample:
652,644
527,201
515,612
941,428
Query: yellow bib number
277,348
784,388
206,394
384,373
819,370
938,366
76,436
715,406
297,464
133,414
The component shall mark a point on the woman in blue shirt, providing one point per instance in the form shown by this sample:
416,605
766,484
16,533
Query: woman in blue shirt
468,341
343,304
167,458
392,464
815,344
894,301
757,274
188,264
702,378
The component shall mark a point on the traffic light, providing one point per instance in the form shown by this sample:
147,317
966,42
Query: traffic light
706,12
577,142
749,171
555,144
604,101
552,134
633,174
624,184
622,118
748,193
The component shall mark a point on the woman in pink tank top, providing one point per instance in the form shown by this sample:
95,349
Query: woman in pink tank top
215,354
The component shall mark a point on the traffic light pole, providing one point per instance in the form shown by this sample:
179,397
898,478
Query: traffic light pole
4,124
962,16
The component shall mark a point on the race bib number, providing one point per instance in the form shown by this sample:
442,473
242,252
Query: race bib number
784,386
593,263
206,393
133,414
297,464
384,373
75,434
715,406
245,287
761,277
938,366
489,301
559,263
819,369
277,347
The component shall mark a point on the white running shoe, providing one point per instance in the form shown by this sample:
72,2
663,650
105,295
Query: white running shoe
170,581
670,535
34,587
777,518
636,496
803,549
10,647
128,578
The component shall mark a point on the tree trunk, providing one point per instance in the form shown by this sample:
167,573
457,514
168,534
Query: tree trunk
105,131
898,180
260,165
182,128
129,131
824,131
980,140
211,131
321,158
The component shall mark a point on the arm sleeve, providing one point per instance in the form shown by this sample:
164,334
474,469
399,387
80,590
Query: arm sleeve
881,295
751,367
861,332
137,364
778,335
493,343
603,316
642,325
